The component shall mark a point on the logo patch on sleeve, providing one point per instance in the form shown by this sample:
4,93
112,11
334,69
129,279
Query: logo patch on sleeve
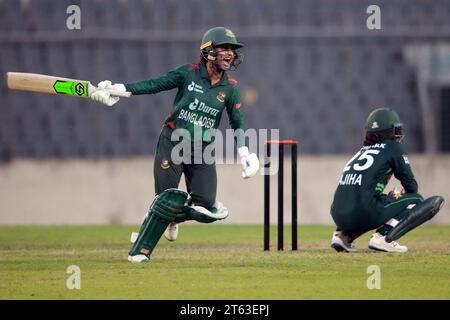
406,159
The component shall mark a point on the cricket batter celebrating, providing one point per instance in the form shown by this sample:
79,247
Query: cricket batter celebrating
205,90
359,203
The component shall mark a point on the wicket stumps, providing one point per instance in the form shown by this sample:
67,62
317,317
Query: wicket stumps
281,144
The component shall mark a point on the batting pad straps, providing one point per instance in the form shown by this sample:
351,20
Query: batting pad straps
214,214
165,211
203,215
393,222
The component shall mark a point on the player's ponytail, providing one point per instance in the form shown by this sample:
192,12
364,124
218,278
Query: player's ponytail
379,136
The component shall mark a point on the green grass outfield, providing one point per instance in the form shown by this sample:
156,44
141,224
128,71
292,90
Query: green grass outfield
217,262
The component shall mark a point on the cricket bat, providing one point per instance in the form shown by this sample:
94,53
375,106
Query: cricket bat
55,85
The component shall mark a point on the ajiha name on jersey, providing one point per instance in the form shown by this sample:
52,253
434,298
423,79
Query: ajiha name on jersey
351,179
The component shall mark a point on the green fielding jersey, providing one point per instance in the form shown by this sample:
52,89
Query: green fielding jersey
366,174
198,104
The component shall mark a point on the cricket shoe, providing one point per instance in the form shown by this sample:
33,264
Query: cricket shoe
378,242
340,242
138,258
171,232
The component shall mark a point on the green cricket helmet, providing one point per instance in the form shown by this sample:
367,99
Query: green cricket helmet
220,36
384,119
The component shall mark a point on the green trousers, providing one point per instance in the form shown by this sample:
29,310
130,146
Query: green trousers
201,179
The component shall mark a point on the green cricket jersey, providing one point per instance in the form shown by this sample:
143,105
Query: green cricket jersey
197,104
366,175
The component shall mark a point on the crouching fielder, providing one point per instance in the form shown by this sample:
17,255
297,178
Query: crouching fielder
205,90
359,204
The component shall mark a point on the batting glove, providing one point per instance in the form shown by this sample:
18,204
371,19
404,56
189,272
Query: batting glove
117,89
104,97
249,161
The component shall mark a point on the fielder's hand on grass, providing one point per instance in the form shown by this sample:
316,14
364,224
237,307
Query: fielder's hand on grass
249,161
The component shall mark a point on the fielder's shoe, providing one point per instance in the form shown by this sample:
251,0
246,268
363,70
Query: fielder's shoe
378,242
340,242
171,232
138,258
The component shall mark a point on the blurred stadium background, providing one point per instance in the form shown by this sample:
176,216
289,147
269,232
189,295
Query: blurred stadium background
311,68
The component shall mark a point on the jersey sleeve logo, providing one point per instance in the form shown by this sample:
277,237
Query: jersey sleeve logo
405,158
